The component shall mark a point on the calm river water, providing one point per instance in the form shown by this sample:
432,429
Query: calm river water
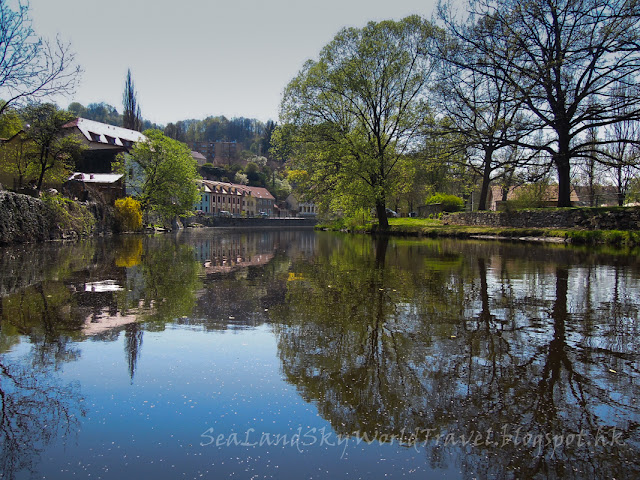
295,354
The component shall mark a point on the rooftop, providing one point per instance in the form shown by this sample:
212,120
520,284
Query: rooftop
98,132
96,177
198,157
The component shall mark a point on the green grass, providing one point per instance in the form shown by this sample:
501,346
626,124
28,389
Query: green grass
424,227
414,222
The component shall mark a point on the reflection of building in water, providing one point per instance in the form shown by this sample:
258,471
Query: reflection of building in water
244,249
107,319
102,319
306,244
102,313
225,254
224,265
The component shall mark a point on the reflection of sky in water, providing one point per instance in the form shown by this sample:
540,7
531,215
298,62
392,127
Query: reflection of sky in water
188,381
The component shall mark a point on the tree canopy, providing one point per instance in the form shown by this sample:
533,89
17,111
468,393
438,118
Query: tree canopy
162,173
43,150
353,113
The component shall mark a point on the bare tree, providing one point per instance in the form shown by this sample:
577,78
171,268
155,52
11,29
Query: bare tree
622,155
30,67
589,168
481,110
564,58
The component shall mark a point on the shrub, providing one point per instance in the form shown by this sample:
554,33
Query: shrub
128,215
532,195
360,218
69,216
450,203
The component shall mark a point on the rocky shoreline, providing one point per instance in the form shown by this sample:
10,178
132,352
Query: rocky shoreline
26,219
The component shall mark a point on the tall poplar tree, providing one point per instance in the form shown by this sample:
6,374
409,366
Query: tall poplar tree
132,118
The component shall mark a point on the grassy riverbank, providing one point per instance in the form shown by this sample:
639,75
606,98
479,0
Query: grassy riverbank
422,227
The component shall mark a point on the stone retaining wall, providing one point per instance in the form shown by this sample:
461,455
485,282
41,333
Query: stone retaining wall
211,221
588,219
26,219
22,219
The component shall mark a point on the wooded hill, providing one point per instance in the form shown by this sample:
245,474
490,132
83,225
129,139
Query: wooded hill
251,134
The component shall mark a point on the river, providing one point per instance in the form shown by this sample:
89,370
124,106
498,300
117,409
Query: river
299,354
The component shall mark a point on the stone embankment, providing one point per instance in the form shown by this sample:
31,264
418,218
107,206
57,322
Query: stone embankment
23,219
26,219
571,218
250,222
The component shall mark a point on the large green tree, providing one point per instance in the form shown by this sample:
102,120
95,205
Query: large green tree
358,109
163,173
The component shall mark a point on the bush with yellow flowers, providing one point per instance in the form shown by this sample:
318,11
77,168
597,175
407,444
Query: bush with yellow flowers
128,215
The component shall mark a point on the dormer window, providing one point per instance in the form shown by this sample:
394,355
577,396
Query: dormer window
94,136
110,140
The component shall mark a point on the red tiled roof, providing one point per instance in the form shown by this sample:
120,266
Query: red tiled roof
258,192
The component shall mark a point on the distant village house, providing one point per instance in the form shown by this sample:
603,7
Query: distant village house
222,198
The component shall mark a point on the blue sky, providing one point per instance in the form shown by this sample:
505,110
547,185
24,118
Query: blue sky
195,58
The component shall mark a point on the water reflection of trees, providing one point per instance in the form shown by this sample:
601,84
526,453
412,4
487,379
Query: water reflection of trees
463,338
35,406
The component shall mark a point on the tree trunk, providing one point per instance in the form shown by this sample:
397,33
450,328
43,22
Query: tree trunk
486,178
563,167
621,193
40,179
592,197
43,166
381,211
